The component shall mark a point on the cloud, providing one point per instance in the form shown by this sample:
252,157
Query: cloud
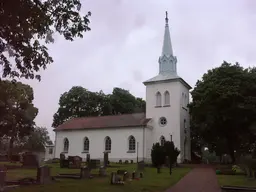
125,41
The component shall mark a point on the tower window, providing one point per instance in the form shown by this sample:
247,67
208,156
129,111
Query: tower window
166,98
162,121
158,99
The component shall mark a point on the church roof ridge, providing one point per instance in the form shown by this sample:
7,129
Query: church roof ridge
107,121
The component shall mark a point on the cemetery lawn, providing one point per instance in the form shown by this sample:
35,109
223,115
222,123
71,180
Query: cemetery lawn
236,180
152,182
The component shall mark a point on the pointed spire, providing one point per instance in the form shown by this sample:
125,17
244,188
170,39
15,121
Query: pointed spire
167,45
167,61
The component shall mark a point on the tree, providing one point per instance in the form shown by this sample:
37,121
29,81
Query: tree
172,153
124,102
224,106
158,156
17,111
37,140
80,102
26,28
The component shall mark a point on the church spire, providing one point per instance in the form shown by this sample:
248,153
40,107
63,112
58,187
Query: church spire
167,45
167,62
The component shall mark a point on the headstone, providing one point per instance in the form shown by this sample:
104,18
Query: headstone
88,158
30,160
126,176
135,175
64,163
75,162
85,172
44,175
141,175
2,178
94,163
105,159
141,166
113,178
120,161
120,172
102,171
131,161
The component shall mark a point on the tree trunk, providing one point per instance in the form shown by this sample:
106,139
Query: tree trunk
170,170
158,170
10,148
231,152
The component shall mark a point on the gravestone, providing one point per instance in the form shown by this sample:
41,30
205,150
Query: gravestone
44,175
126,176
64,163
88,158
141,166
85,173
113,178
121,171
75,162
102,171
2,178
135,175
105,159
30,160
94,163
141,175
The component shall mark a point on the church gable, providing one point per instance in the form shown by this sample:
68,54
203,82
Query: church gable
114,121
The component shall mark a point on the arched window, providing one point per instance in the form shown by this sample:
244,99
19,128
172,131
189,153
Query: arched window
162,140
132,143
66,145
158,99
107,144
166,98
86,144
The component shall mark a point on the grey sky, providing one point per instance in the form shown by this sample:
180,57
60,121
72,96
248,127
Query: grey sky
123,47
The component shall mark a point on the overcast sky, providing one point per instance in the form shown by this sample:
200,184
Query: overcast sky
125,41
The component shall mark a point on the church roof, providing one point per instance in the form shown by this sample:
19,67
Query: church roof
166,77
111,121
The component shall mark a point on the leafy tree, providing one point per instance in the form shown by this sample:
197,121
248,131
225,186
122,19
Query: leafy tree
124,102
158,156
26,28
224,106
79,102
37,140
172,153
17,111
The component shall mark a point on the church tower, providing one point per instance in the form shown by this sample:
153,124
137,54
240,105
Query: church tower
167,97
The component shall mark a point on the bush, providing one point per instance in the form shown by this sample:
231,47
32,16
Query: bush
131,161
157,156
126,161
120,161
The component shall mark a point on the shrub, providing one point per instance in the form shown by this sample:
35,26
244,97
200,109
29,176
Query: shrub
126,161
157,156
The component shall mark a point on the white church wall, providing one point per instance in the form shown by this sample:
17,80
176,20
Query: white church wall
184,115
149,143
119,143
172,113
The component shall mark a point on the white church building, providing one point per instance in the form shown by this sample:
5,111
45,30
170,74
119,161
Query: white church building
128,136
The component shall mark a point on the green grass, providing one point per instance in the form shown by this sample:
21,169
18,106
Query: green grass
236,180
152,182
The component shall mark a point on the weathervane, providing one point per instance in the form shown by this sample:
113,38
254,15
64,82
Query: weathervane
166,18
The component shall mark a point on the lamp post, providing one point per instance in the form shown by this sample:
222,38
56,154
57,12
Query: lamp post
137,152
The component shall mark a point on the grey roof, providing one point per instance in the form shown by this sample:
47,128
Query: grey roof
167,77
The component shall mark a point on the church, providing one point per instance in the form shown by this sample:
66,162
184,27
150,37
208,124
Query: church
131,136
